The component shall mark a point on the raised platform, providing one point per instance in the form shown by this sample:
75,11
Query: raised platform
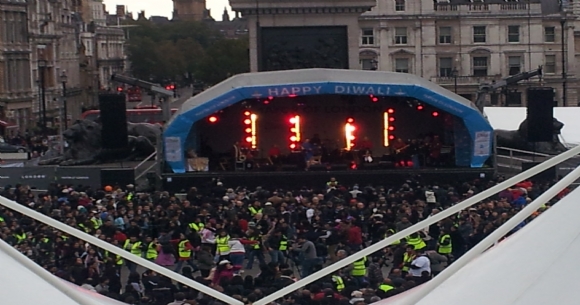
318,179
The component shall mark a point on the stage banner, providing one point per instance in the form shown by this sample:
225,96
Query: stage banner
35,177
75,176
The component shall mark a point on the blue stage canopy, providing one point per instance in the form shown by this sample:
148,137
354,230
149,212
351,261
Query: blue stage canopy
324,81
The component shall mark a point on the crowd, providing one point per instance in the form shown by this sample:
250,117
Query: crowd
216,234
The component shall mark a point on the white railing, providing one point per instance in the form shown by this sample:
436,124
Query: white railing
419,226
515,157
143,163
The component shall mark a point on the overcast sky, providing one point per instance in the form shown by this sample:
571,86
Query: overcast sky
163,7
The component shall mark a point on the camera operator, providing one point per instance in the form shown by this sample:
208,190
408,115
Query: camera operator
308,257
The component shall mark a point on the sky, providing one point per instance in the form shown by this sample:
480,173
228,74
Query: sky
163,7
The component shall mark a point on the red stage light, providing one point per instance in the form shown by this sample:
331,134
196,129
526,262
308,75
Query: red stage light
293,120
247,113
375,99
120,89
391,110
435,113
212,119
391,137
293,138
391,128
350,120
247,121
391,119
270,97
292,95
420,107
292,146
249,139
266,102
248,130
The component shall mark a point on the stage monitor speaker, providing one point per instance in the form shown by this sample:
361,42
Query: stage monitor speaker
318,168
339,167
118,177
547,175
113,116
540,114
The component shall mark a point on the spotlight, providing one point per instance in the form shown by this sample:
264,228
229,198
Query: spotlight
391,137
391,119
266,102
247,113
420,107
247,121
292,146
435,113
350,120
249,139
391,128
391,110
212,119
249,130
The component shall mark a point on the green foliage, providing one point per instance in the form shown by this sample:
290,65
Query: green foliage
175,50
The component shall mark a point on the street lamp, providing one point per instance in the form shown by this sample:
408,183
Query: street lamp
455,73
63,79
41,69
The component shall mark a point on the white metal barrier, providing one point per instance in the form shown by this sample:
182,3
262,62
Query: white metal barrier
116,250
493,237
419,226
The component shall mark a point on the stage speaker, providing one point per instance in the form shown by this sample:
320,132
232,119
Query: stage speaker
289,167
547,175
118,177
113,118
339,167
540,114
318,168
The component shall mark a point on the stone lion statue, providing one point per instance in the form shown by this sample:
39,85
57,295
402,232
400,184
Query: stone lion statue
517,139
149,131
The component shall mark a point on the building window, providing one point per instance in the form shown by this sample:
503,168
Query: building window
479,34
480,64
549,34
399,5
445,35
445,66
514,33
368,64
550,64
515,64
400,35
402,65
368,37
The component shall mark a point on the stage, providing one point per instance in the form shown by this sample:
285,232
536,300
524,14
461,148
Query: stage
317,179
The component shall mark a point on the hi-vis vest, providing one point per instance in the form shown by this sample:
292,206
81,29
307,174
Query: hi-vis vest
20,238
418,243
151,253
97,222
257,246
392,232
359,268
445,246
134,249
196,226
406,260
385,287
182,250
254,211
222,244
283,244
339,282
118,259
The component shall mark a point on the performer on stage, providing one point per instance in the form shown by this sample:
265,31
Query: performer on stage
366,150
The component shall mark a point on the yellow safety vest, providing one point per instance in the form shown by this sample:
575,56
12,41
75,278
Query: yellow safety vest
151,253
196,226
407,259
97,222
257,246
385,287
339,282
283,244
445,246
20,237
130,196
134,249
222,244
182,250
359,267
118,259
1,219
82,226
417,243
254,211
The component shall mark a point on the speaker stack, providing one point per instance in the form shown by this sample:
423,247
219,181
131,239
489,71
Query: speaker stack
113,116
540,114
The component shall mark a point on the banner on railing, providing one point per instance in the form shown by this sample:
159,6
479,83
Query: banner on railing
41,177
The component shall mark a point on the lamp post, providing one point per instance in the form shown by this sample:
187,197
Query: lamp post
63,79
455,73
563,46
41,70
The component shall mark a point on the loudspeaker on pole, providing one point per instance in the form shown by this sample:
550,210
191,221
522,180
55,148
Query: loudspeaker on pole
113,117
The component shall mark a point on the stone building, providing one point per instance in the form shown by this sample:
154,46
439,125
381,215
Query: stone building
461,44
16,90
190,10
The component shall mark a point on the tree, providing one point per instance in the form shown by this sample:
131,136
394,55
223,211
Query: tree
184,48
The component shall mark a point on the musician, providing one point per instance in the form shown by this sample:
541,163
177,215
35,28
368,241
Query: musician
307,151
399,150
274,155
366,148
435,151
414,151
237,152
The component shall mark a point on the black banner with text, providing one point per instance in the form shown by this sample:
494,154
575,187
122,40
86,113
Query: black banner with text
41,177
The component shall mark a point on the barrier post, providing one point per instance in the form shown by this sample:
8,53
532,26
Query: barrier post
419,226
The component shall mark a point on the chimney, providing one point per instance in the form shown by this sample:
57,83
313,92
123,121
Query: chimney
121,11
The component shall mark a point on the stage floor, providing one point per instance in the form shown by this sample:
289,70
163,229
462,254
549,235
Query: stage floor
318,179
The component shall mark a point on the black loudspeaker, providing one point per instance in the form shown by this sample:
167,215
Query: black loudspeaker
113,118
547,175
540,114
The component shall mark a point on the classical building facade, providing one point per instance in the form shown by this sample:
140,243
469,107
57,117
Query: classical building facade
16,90
462,44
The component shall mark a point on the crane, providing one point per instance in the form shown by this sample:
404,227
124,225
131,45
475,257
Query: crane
486,89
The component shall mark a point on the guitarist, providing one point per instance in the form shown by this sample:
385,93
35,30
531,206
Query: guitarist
400,152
